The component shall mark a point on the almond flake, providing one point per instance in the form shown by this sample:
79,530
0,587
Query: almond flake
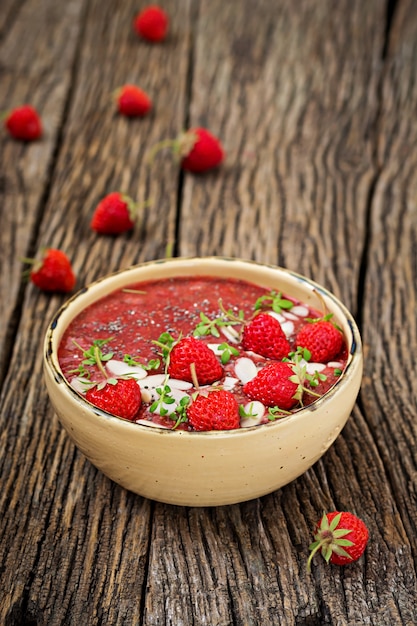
245,369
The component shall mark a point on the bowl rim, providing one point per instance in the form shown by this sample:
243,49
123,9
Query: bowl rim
50,356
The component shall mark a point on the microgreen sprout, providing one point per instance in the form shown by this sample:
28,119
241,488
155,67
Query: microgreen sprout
337,371
274,413
246,413
152,365
299,377
316,378
165,397
324,318
211,327
181,412
94,356
275,301
227,351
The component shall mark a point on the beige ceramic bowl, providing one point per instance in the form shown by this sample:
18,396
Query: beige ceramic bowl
204,468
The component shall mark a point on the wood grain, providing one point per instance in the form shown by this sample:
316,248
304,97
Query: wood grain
317,123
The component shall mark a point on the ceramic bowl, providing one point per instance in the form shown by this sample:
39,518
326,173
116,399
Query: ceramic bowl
204,468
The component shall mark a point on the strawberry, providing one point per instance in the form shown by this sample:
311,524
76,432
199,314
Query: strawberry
274,386
197,149
322,339
114,214
218,410
120,397
132,101
53,272
265,336
151,23
341,537
24,123
188,352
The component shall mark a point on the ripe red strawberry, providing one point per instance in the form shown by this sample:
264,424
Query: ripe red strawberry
272,386
341,537
197,149
53,272
114,214
218,410
151,23
189,351
265,336
122,398
24,123
322,339
133,101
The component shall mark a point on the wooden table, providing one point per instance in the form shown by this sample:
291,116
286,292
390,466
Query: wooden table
315,102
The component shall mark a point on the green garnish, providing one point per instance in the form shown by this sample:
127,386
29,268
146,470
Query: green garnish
274,413
274,301
94,356
152,365
227,352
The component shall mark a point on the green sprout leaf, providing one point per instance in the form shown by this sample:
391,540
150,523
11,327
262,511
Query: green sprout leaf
275,301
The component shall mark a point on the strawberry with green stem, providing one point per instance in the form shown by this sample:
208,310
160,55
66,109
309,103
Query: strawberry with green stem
132,101
197,150
115,213
215,410
53,272
341,537
280,384
261,334
23,123
321,336
119,396
187,355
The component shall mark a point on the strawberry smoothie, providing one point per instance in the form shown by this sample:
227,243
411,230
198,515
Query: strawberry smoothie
183,339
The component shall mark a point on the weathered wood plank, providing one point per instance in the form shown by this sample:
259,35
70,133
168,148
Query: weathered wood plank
389,392
297,115
293,93
76,548
68,534
35,69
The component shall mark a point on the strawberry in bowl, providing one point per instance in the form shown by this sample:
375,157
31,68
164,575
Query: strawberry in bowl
230,405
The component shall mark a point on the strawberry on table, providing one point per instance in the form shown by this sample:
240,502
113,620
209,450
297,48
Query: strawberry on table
190,353
114,214
265,336
23,123
151,23
322,339
218,410
53,272
120,397
274,386
197,149
132,101
341,537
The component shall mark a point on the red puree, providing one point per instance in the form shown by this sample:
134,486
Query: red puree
136,316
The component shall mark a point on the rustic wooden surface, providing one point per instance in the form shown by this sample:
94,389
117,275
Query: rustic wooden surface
315,102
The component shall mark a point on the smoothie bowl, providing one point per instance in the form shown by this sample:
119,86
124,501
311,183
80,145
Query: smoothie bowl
203,381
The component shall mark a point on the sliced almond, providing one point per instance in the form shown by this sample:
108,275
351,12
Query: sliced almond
300,310
229,382
119,368
80,385
245,369
230,333
277,316
288,327
311,368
